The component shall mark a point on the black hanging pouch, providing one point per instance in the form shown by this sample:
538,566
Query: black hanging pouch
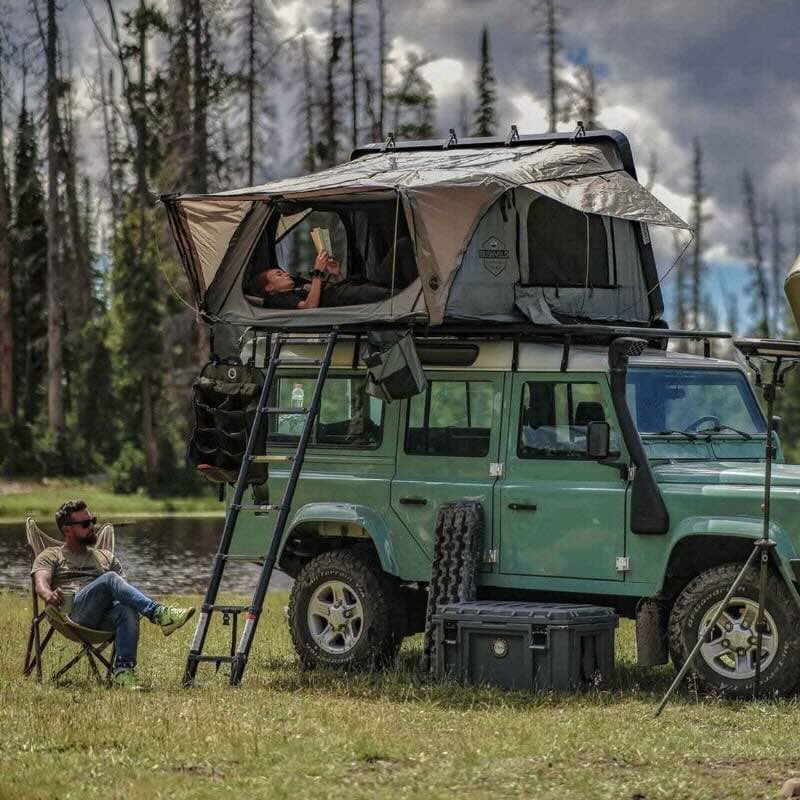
394,368
225,399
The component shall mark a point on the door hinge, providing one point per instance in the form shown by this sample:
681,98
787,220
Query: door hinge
496,470
623,564
490,557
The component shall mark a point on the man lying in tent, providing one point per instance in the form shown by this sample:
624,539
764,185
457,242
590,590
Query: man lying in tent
328,288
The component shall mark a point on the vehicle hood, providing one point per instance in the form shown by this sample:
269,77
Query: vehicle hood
727,473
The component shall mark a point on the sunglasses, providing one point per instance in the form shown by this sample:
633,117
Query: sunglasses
84,523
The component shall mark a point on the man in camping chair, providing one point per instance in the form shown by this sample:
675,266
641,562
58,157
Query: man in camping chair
90,586
326,288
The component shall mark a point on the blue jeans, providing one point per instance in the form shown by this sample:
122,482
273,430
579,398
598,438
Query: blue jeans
111,603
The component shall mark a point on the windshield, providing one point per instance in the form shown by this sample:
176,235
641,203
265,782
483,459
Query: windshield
693,400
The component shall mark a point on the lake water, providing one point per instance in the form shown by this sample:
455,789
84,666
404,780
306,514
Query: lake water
160,556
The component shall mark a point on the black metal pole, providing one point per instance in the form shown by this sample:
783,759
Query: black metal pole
766,543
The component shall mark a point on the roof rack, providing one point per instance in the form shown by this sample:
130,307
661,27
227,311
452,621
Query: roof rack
566,335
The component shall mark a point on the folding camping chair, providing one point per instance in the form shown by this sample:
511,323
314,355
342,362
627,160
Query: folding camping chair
92,642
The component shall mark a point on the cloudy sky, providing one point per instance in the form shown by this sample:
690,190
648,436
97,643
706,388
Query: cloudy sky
724,71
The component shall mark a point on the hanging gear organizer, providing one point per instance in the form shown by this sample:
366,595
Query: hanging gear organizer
225,402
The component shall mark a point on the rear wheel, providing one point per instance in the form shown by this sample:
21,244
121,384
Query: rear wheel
727,660
344,612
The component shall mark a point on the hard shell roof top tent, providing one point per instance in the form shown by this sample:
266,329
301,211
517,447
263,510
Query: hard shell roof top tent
544,229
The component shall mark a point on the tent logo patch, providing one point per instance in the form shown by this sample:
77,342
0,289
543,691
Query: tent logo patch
494,255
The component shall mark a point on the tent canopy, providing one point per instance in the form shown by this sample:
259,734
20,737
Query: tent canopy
443,195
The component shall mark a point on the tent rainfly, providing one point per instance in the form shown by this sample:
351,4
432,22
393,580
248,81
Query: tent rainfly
550,231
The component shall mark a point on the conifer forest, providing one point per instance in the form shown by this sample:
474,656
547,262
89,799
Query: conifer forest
99,342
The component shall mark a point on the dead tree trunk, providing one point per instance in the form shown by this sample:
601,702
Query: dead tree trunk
251,91
6,327
353,74
200,109
55,339
308,108
381,65
551,37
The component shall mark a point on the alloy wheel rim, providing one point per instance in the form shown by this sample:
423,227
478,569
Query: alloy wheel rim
335,617
730,647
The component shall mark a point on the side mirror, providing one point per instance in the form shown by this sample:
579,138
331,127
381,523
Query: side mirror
598,435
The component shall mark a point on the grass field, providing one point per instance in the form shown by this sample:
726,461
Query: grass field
288,734
19,500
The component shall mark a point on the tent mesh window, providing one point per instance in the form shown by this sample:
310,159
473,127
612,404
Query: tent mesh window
362,235
567,248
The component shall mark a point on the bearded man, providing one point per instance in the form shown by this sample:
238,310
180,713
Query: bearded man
89,585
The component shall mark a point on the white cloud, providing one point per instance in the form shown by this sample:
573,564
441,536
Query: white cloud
445,75
530,113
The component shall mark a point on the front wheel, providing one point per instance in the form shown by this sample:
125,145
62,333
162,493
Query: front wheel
727,660
345,613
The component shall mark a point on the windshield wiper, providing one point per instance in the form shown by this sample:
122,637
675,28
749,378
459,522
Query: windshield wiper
722,429
692,437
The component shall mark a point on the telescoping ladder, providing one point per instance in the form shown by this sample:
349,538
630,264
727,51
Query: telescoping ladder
238,655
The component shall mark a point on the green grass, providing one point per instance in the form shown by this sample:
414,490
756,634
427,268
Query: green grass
289,734
19,500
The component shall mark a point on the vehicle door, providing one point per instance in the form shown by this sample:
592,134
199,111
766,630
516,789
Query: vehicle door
448,443
558,512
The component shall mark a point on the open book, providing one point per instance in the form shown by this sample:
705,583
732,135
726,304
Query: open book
322,239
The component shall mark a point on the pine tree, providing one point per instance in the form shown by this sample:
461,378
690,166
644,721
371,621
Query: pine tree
29,270
135,329
413,102
485,116
550,14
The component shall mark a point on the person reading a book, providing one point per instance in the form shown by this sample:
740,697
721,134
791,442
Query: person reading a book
326,289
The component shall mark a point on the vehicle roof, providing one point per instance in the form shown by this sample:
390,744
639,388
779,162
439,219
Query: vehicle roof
498,355
453,143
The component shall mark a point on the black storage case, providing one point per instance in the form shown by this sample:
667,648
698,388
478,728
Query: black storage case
517,645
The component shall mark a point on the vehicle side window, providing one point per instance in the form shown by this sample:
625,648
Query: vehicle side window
554,418
451,418
348,416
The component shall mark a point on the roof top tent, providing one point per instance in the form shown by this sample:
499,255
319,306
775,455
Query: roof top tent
546,229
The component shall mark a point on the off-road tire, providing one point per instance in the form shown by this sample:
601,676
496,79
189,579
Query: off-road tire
384,621
702,594
459,532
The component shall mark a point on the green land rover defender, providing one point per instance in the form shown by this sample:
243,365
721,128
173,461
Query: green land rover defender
508,425
608,466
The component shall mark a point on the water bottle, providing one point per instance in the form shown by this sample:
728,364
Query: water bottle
298,396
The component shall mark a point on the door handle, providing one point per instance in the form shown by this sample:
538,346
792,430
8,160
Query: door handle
522,506
413,501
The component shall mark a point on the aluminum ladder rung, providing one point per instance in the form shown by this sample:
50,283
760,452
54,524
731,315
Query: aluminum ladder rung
271,410
271,459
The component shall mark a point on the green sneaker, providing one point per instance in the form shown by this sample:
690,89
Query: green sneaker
169,618
126,679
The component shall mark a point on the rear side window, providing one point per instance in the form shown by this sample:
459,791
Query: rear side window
555,416
348,416
451,418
